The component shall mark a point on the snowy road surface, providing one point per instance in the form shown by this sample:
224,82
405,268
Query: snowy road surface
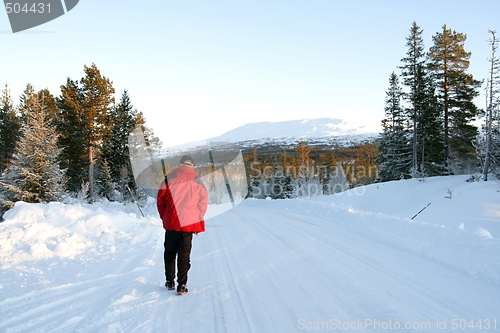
264,266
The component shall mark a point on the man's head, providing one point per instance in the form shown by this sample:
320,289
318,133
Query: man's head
187,160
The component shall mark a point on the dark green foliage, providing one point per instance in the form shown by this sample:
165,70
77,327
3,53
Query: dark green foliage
73,131
10,125
412,73
121,121
422,112
394,146
436,129
430,146
84,111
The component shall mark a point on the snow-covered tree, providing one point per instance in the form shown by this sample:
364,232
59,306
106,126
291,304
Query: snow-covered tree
106,186
337,180
34,174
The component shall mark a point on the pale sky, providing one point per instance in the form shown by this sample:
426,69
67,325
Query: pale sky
198,69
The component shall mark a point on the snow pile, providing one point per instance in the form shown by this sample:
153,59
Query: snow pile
35,231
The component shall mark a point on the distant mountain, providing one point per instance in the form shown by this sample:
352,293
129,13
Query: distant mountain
320,130
323,131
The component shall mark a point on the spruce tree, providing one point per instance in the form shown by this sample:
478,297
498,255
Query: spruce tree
34,174
10,124
430,126
456,91
122,121
411,72
105,183
394,149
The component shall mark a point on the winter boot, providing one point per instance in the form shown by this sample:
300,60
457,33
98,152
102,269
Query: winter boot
182,290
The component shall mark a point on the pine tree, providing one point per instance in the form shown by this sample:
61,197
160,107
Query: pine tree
34,174
97,92
84,123
394,151
71,125
456,91
27,100
10,124
50,103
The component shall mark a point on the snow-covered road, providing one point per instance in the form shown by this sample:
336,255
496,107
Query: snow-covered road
261,267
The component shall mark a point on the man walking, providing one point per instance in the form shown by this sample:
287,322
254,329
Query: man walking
182,202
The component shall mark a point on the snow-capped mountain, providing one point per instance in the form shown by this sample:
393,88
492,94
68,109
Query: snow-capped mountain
322,130
329,131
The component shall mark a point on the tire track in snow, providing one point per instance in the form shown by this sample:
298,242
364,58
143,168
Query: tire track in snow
47,309
237,301
71,306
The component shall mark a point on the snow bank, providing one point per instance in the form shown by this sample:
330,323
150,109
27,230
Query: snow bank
462,232
34,231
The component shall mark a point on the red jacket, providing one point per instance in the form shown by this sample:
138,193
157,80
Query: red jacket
182,201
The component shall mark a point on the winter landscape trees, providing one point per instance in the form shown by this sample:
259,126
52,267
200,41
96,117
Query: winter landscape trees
76,142
33,174
436,127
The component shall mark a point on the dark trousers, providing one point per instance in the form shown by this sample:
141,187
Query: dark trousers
177,244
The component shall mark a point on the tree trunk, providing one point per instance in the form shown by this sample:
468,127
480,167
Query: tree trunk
91,175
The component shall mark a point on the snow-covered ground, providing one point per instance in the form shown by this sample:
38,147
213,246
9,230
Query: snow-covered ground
352,262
